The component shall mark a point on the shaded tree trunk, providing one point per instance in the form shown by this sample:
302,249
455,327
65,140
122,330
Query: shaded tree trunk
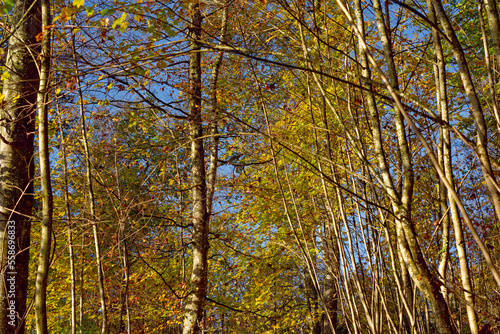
330,295
17,128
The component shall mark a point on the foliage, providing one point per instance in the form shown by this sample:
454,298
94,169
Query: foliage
300,193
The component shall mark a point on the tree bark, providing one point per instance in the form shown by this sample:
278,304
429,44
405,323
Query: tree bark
492,77
70,232
195,302
47,202
447,164
17,126
214,118
494,25
475,103
401,201
88,180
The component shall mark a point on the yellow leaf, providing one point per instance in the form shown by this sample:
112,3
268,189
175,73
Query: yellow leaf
78,3
119,21
5,75
123,26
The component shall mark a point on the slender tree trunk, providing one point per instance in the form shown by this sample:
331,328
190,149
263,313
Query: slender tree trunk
475,103
80,308
214,118
492,77
444,220
401,202
70,232
203,185
328,299
88,179
47,203
441,102
126,265
330,295
100,275
195,302
447,164
494,25
17,128
123,255
330,287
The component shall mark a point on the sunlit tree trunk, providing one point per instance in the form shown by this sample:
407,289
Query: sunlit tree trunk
494,26
401,202
475,103
203,185
70,231
447,164
91,200
17,128
195,302
47,203
126,266
214,118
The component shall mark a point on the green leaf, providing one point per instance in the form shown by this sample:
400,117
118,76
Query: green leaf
6,7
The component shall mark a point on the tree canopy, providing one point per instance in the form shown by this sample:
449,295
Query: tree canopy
235,166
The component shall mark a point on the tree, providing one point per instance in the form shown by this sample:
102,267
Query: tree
19,96
47,198
195,303
269,166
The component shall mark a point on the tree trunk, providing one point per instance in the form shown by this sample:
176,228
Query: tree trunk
17,128
477,111
401,201
47,203
195,302
88,179
494,25
70,232
447,164
214,118
330,296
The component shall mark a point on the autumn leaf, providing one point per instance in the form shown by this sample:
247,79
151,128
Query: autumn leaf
78,3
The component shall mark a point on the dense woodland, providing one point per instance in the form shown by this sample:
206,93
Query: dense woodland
241,166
